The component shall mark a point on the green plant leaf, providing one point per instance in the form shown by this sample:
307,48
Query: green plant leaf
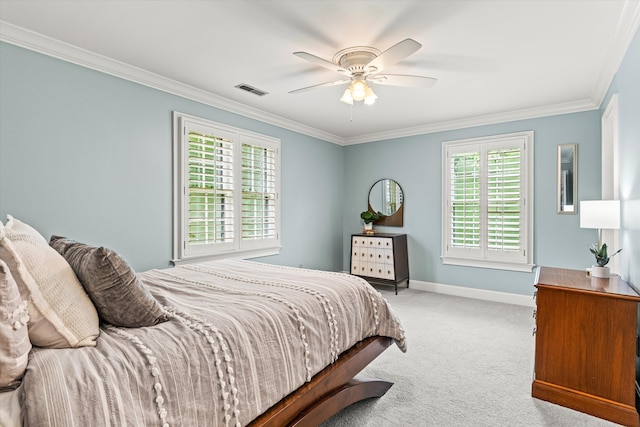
600,253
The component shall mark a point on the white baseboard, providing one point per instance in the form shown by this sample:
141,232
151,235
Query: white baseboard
482,294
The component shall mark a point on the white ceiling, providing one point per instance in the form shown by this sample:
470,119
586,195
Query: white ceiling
494,60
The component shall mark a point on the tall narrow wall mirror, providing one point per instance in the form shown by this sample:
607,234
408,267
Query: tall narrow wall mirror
567,178
386,196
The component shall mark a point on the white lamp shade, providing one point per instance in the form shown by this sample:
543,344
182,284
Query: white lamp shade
601,214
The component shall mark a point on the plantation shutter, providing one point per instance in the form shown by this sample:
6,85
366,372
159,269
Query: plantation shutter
209,206
486,220
258,192
226,191
465,200
503,199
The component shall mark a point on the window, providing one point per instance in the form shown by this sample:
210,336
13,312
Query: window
487,205
226,191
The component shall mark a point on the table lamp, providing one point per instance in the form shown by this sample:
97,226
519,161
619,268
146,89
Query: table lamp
601,215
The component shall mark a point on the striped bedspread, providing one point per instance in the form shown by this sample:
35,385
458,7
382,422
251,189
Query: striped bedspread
241,336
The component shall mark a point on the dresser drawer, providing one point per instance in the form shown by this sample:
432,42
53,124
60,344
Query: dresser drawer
380,242
358,268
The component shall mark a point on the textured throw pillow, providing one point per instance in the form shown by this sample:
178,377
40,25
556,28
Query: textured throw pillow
118,294
61,314
14,336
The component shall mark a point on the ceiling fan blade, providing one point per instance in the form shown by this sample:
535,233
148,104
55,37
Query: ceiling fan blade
402,80
336,83
319,61
394,54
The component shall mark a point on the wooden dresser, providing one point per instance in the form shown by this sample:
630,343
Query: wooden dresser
381,258
586,343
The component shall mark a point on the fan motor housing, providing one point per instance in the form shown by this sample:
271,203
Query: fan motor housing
355,59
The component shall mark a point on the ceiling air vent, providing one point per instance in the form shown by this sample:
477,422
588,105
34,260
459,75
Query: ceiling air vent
251,89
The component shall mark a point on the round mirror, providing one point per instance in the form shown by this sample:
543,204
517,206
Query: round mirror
385,196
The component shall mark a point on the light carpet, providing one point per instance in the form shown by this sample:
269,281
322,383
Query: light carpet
469,363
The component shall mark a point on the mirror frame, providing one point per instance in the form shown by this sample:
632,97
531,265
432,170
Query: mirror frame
394,220
562,178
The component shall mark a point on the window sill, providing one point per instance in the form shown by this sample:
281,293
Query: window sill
496,265
246,254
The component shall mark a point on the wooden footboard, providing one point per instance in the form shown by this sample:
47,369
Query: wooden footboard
331,390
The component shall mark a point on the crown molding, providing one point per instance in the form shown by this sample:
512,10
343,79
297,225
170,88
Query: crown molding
628,25
489,119
31,40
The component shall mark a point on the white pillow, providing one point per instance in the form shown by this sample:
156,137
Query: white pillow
61,314
14,338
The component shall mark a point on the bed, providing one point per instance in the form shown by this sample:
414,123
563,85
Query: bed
225,343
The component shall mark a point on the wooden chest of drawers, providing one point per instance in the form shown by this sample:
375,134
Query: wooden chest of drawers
380,258
586,343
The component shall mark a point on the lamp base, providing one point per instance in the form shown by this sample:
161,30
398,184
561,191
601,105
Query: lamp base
602,272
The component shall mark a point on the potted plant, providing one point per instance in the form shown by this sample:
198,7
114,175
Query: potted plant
602,259
369,218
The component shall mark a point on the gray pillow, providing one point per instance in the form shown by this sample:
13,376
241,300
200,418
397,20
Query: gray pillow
118,294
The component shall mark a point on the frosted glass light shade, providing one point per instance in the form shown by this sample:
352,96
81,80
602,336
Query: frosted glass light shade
358,90
346,97
601,214
371,97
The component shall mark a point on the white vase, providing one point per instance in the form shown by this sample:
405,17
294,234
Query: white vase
368,226
597,271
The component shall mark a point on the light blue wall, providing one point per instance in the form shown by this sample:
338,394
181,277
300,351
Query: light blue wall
627,86
87,155
416,163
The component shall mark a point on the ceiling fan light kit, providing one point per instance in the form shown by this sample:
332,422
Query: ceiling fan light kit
358,91
361,64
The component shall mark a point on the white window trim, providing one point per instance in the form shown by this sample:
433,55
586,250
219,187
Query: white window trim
239,248
474,260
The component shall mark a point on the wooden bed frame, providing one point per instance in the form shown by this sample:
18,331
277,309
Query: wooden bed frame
331,390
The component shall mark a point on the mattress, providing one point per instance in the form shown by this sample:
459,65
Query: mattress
241,336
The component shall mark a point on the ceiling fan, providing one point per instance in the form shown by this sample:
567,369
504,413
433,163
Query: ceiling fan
362,64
